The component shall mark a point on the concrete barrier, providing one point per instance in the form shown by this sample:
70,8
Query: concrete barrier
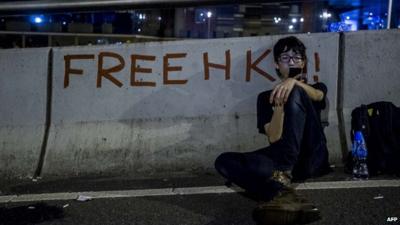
23,87
176,116
371,70
153,107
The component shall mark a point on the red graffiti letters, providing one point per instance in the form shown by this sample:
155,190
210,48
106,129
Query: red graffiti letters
110,73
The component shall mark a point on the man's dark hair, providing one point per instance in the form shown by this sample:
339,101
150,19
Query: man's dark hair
287,44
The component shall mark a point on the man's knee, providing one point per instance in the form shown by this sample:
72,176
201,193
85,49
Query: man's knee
296,98
297,93
221,162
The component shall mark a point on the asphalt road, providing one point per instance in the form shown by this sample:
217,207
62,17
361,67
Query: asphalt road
342,206
358,206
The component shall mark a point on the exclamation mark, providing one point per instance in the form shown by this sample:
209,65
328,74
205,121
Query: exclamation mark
317,61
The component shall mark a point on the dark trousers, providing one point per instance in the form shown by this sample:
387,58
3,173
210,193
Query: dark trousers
253,170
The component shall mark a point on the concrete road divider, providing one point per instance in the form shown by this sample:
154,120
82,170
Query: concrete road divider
171,106
23,97
371,70
168,106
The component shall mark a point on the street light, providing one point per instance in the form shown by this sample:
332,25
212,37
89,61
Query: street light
38,19
325,17
209,15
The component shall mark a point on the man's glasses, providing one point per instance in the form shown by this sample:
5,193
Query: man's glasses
287,58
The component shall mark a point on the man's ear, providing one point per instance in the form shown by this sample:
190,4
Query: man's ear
304,63
276,65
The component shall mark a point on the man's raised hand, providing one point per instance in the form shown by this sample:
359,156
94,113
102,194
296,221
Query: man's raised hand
281,92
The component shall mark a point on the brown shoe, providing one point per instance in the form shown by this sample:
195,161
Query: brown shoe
286,208
283,177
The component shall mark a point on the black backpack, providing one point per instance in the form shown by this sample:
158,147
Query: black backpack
380,124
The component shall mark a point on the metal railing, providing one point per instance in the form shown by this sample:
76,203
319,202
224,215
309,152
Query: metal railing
78,37
46,5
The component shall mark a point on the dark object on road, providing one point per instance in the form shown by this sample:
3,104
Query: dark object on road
379,123
30,214
287,208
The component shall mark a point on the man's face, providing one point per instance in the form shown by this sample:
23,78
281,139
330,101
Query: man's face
287,60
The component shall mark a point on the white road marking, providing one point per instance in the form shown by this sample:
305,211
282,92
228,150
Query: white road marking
348,184
189,191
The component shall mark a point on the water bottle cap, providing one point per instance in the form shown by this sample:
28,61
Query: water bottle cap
358,136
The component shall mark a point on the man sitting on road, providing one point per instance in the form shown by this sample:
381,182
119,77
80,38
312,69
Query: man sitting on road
289,115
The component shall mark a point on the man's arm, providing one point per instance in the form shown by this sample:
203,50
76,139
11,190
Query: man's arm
274,129
314,94
281,92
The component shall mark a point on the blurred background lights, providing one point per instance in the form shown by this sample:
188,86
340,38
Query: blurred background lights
325,15
38,19
277,19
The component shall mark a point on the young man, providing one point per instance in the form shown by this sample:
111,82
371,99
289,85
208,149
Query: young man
289,116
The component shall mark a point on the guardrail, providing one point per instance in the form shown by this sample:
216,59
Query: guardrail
77,37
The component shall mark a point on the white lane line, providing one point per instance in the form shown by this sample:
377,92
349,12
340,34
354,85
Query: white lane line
189,191
7,198
348,184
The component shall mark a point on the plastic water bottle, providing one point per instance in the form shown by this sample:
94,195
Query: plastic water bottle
359,152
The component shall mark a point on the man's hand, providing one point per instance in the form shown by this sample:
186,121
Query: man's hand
281,92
